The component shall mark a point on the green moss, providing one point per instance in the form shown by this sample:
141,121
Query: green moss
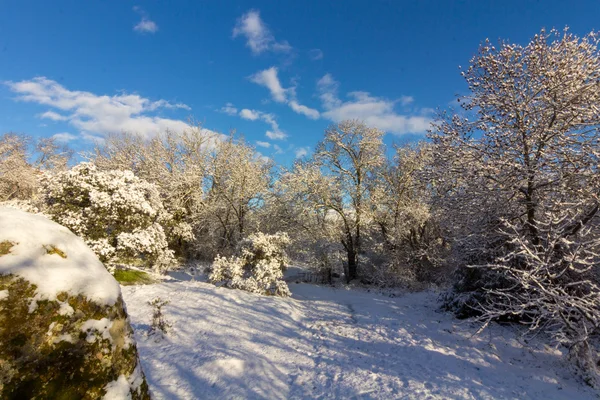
52,249
5,247
132,277
35,364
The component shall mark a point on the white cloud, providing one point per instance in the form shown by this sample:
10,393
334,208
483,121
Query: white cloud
165,104
301,109
328,88
266,145
92,138
64,137
276,135
406,100
251,115
315,54
255,115
53,116
374,111
301,152
258,36
278,150
98,114
146,25
269,79
229,109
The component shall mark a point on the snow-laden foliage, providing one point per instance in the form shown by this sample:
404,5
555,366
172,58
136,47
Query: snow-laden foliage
518,188
552,286
238,181
120,216
211,185
176,163
258,268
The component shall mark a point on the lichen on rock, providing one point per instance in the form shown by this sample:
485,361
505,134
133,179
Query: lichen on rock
76,343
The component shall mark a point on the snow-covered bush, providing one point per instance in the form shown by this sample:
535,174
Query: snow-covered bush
258,268
120,216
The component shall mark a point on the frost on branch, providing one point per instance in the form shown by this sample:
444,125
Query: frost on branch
258,268
551,287
120,216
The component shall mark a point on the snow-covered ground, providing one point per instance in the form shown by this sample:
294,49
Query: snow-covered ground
333,343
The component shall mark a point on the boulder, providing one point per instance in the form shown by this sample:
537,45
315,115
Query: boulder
64,330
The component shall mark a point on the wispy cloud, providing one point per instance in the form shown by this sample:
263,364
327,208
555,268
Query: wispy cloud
275,133
97,115
304,110
315,54
145,25
251,115
258,36
266,145
301,152
374,111
53,116
229,109
269,79
406,100
64,137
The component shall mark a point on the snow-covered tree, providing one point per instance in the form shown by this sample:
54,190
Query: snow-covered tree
412,249
119,215
516,177
176,162
258,268
336,183
238,181
21,163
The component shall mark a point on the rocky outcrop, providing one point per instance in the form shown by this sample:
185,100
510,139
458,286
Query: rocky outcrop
64,331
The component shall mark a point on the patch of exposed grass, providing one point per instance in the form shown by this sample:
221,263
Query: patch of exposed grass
52,249
132,277
5,247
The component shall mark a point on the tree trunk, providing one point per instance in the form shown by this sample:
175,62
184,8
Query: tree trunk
352,264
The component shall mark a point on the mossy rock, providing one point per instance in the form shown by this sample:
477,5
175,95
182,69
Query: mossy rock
48,353
69,343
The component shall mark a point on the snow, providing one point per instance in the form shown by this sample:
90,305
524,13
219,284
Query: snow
121,388
333,343
117,390
79,273
101,326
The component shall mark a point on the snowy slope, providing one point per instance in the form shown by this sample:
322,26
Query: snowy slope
332,343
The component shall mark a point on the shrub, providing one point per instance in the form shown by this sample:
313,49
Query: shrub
159,322
258,268
120,216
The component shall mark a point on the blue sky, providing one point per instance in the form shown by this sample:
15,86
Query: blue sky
279,72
